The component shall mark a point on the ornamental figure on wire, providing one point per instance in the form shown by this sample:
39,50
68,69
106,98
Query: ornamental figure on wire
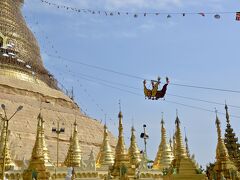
154,93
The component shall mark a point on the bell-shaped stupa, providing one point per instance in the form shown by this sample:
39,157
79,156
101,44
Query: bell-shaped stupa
24,81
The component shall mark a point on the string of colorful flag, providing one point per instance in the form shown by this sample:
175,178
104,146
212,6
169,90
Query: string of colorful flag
216,15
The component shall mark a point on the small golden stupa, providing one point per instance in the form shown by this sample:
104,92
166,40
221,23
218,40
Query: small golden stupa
164,156
74,157
41,130
9,164
105,157
39,164
133,151
223,168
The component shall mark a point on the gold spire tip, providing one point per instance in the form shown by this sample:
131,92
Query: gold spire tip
227,114
120,114
162,121
177,121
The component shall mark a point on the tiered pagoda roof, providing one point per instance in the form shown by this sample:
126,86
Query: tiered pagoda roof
231,142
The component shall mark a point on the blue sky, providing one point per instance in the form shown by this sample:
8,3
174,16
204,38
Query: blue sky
192,50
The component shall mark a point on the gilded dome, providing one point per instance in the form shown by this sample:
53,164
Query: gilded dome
16,39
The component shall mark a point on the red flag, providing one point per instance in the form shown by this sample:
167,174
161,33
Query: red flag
237,16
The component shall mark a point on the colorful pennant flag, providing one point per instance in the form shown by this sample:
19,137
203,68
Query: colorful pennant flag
216,15
237,16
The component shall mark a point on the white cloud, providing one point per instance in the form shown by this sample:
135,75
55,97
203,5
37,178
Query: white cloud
148,26
162,4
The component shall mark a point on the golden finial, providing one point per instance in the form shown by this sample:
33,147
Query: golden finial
133,151
227,115
218,126
177,121
105,156
162,121
120,111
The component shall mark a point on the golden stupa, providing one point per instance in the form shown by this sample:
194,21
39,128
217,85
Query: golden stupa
164,156
224,167
24,81
31,154
105,157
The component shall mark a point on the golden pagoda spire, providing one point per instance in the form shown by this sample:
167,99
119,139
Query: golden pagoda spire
9,164
231,142
165,155
183,167
224,167
221,151
121,161
180,149
133,151
105,156
37,163
120,148
44,146
73,158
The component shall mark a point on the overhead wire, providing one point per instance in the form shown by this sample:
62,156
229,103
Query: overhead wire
104,83
168,101
206,88
199,108
164,100
96,67
96,80
136,88
139,77
202,100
